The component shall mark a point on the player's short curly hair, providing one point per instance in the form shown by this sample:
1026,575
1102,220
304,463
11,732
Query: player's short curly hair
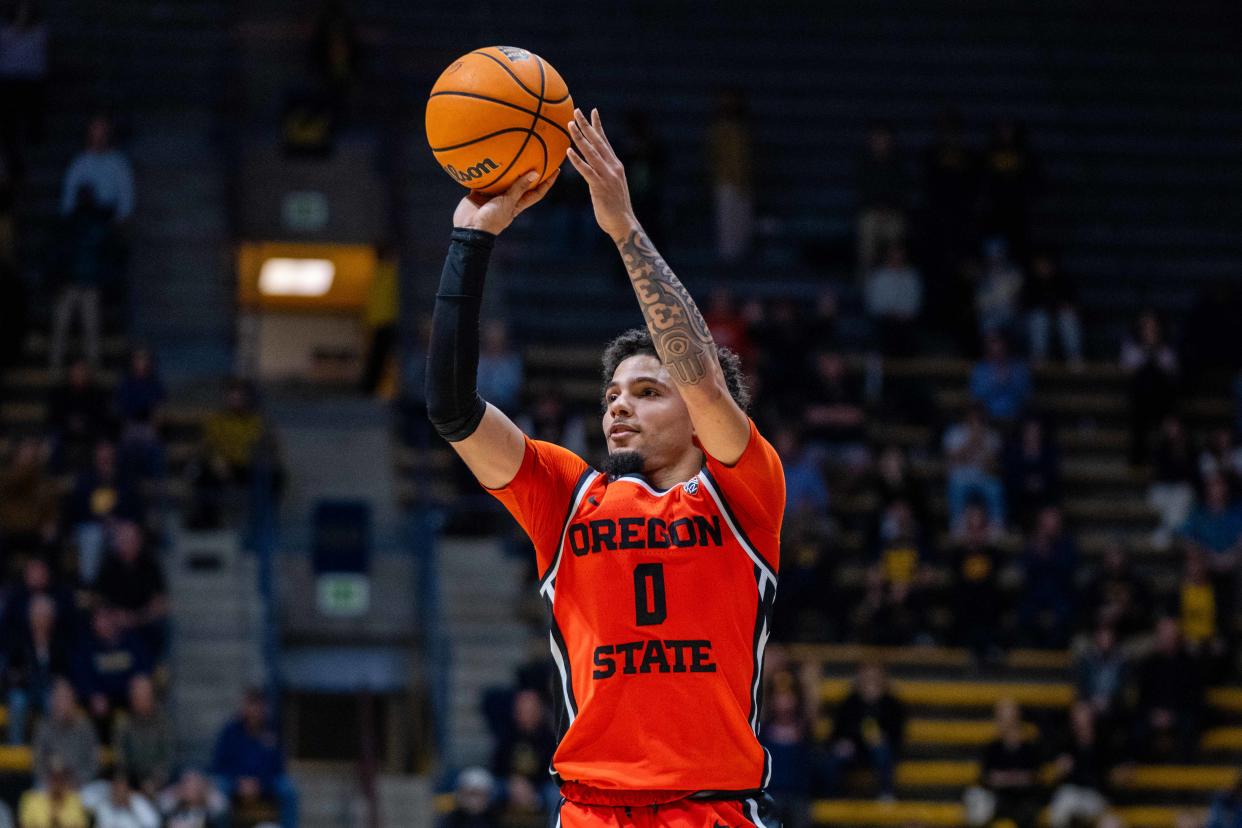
638,341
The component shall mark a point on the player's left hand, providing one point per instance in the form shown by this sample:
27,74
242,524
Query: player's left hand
594,158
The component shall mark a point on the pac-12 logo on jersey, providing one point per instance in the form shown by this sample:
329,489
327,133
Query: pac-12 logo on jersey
692,486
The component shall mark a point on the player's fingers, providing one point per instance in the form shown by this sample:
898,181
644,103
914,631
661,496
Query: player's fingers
584,169
536,195
599,129
584,138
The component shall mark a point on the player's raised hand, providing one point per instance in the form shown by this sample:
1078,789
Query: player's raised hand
493,214
595,159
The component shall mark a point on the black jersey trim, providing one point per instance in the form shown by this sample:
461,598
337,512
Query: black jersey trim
575,500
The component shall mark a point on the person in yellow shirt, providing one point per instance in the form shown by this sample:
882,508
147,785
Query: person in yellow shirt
1197,605
57,806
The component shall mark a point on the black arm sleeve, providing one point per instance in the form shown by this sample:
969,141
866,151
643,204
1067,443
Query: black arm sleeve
453,402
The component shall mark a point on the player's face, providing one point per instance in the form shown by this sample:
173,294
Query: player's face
644,412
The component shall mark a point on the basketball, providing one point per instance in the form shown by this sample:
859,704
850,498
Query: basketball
496,114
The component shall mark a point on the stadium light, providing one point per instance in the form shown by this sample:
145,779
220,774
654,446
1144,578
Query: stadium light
296,277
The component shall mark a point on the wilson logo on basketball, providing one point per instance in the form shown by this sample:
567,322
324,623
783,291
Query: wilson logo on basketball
471,173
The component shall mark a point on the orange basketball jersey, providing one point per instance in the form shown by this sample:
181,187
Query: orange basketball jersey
660,605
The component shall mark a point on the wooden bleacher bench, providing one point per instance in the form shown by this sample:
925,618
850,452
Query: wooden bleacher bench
957,657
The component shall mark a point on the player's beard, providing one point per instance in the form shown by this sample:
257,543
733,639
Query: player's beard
626,461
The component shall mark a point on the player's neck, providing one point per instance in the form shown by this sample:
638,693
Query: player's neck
684,468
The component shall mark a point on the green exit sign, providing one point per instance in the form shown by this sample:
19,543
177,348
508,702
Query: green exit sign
344,595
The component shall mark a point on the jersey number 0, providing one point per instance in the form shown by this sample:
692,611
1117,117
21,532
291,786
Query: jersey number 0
649,604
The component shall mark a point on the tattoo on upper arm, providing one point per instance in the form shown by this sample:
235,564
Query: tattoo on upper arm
678,330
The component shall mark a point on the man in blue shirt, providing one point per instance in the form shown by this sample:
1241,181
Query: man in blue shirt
248,762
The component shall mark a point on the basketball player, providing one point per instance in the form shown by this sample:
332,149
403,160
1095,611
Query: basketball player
659,570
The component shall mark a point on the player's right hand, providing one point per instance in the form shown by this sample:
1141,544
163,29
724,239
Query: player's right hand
493,214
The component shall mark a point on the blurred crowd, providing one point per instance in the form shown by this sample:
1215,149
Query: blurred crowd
957,536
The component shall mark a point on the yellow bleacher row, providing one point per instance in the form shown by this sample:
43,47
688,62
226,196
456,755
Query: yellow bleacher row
20,758
931,814
950,814
936,693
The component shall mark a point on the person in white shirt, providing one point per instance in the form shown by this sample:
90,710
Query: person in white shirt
116,804
893,295
104,170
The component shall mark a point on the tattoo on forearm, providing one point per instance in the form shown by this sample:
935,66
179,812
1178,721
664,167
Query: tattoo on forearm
677,328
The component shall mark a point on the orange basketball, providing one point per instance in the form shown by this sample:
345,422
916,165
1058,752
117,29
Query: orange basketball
497,114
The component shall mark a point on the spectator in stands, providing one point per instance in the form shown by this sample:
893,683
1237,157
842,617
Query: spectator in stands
101,494
972,449
1001,383
1048,298
1117,596
36,580
723,313
893,297
78,415
65,741
806,531
33,662
248,762
107,660
523,753
549,418
1199,611
54,803
103,171
85,270
120,805
472,802
1102,674
1222,455
893,479
882,186
1214,529
1171,492
784,342
193,803
1049,564
974,560
1032,470
999,290
137,401
1170,698
645,159
23,82
29,501
1008,781
894,610
730,159
132,582
1226,810
143,744
786,735
867,729
233,439
834,413
380,317
1153,368
806,490
1082,768
1011,181
950,190
500,367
